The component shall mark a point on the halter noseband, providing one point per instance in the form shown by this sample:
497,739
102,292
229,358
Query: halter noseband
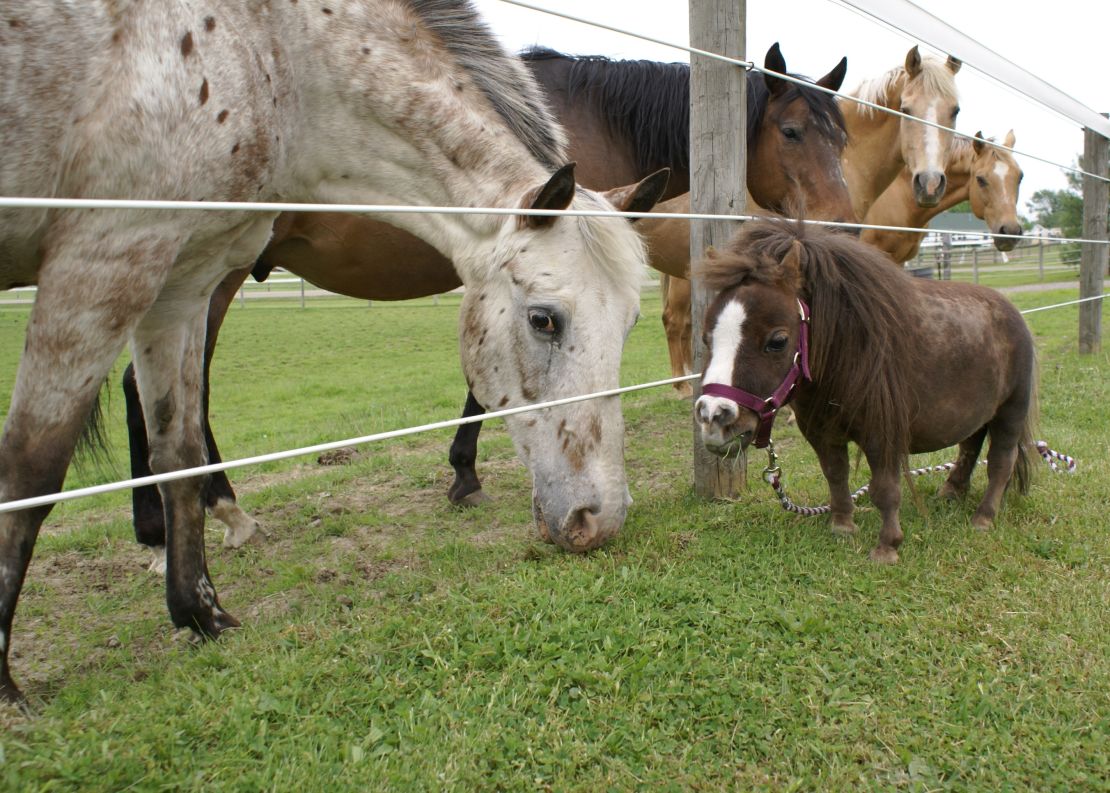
767,408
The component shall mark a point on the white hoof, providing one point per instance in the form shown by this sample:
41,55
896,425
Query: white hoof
241,527
158,563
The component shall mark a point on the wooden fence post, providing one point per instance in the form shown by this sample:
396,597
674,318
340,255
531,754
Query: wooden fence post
718,185
1094,257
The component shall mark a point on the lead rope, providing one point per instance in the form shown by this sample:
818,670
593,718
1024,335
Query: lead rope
772,474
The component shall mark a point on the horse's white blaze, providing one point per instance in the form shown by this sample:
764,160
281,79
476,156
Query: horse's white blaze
932,141
1002,171
727,338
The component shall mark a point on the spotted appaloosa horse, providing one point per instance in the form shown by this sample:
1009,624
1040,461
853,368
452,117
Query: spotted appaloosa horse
374,101
623,119
891,392
881,144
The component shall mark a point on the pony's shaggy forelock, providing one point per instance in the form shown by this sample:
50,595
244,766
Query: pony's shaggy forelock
936,79
860,349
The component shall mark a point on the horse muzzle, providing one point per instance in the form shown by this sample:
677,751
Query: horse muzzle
582,529
1005,244
928,188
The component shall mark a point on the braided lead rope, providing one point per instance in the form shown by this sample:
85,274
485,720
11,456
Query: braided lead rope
772,474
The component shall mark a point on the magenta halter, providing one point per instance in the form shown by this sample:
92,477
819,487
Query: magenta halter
767,408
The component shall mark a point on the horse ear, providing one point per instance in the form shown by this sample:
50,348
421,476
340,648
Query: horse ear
978,142
913,62
953,63
556,194
792,262
1010,140
834,79
774,61
639,197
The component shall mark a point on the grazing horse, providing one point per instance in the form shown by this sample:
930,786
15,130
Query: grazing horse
880,144
375,101
822,317
623,118
979,171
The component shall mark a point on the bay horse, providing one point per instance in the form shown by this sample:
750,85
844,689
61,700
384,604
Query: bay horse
880,144
822,317
980,171
375,101
986,174
624,118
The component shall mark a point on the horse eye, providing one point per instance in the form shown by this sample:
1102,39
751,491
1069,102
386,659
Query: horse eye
982,181
776,343
1021,176
541,320
955,111
791,133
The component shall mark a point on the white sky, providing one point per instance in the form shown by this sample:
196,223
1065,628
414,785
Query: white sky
1064,42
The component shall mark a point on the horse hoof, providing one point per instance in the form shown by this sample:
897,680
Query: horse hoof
844,529
982,522
241,535
950,492
158,562
684,390
11,695
241,527
884,555
472,499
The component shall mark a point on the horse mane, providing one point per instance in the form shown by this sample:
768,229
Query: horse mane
861,342
646,103
935,77
504,80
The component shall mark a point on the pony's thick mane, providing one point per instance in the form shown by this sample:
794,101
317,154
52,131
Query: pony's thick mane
935,79
648,103
860,347
500,76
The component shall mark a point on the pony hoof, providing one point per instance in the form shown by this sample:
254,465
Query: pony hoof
884,555
982,522
158,563
473,499
950,492
684,390
844,529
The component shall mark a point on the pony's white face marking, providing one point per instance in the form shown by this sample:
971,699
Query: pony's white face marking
727,337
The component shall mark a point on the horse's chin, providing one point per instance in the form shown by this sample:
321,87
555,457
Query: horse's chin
1005,245
733,447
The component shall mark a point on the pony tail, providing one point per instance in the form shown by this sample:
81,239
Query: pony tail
1027,454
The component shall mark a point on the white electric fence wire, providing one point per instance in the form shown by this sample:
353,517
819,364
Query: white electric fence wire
408,209
750,65
127,484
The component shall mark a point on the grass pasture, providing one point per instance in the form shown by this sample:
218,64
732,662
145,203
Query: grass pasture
391,642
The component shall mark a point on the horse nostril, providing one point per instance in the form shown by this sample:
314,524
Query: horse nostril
942,182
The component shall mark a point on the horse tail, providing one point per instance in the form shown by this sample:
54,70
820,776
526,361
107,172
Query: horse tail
92,444
1027,446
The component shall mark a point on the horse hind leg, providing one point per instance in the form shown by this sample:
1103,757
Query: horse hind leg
220,496
76,331
959,478
466,490
168,369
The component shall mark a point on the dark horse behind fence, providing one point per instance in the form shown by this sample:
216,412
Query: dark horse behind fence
969,373
622,118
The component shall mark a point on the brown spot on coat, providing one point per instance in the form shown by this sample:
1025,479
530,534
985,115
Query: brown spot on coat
235,149
14,23
187,44
209,24
326,11
204,91
221,117
504,401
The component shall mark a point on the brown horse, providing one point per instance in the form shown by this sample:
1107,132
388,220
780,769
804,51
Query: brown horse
880,144
622,117
985,174
785,292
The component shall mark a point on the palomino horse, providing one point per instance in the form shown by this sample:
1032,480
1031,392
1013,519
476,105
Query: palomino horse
822,317
984,173
377,101
979,171
880,144
625,117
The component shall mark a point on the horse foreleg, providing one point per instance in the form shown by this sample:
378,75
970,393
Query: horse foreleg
676,323
168,366
220,497
836,467
466,490
75,333
886,495
959,478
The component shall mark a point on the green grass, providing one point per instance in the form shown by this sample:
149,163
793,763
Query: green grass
393,642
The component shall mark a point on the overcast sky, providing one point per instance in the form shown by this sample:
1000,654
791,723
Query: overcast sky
1064,42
